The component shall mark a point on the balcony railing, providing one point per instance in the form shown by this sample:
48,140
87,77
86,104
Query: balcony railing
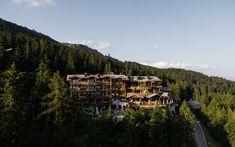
99,82
106,83
83,83
106,89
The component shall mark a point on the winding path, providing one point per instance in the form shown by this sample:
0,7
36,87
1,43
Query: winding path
200,136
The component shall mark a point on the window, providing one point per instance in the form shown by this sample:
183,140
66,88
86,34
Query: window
99,81
84,80
83,94
106,87
106,81
91,81
107,93
98,87
75,82
98,93
119,80
91,93
91,87
83,87
75,88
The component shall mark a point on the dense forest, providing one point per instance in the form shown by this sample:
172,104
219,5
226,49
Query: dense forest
36,109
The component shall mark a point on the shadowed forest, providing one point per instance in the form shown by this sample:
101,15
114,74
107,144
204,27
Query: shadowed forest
36,109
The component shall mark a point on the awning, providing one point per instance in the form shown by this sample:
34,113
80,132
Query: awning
151,95
164,94
135,96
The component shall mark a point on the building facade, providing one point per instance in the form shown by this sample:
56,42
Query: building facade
142,91
97,88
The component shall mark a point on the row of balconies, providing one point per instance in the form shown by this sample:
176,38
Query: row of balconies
98,95
98,83
144,87
92,83
101,90
97,88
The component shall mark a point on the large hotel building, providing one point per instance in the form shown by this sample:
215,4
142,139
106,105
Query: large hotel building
119,90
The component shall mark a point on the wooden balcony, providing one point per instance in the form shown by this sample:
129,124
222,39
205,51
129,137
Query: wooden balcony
106,89
99,95
106,83
119,89
83,83
90,90
74,84
99,89
99,83
82,90
122,89
91,83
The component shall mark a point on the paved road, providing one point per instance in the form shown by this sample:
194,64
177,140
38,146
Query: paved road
199,136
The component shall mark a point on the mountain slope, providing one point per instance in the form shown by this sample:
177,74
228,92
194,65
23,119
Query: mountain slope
30,47
12,28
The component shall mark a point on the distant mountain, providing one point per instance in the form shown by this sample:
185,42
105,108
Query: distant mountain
6,26
30,47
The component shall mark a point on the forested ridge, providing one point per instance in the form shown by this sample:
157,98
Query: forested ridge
37,110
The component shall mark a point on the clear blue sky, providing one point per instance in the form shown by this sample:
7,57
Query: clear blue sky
191,34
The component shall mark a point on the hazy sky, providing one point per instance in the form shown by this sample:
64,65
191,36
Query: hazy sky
191,34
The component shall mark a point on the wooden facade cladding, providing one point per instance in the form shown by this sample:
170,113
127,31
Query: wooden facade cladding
139,90
97,87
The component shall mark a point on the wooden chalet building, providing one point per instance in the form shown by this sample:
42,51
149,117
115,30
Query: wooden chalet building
142,91
97,88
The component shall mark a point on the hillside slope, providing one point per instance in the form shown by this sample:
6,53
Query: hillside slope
29,83
30,47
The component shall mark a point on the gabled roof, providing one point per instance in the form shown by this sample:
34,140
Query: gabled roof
82,76
145,79
135,96
116,76
75,76
123,77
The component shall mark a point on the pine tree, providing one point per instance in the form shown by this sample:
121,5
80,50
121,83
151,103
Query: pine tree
107,68
70,62
230,127
1,57
158,130
135,127
109,113
43,74
187,120
11,114
55,102
40,88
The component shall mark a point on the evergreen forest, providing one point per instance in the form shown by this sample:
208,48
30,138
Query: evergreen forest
37,110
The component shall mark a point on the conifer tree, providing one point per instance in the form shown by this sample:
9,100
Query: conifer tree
158,130
109,113
1,56
40,88
107,68
70,64
187,121
11,114
230,127
55,102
